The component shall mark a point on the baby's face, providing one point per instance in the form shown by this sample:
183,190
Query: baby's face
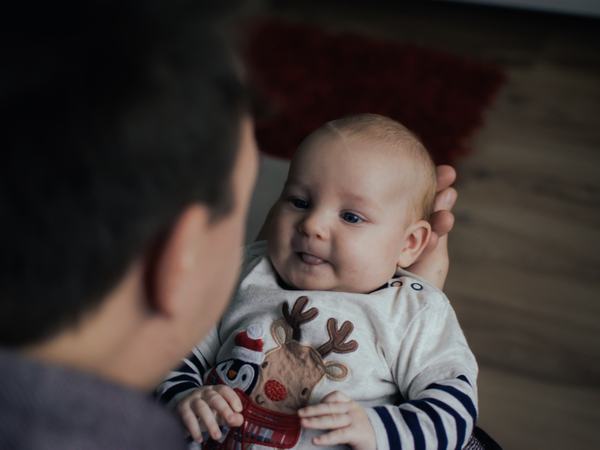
340,222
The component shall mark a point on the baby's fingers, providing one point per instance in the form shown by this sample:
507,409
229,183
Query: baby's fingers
336,397
328,422
322,409
190,421
206,417
223,409
231,397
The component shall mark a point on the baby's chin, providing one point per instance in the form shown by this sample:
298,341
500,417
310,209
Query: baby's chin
304,283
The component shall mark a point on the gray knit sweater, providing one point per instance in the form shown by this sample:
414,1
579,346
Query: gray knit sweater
45,407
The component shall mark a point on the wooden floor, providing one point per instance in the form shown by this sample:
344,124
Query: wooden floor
525,274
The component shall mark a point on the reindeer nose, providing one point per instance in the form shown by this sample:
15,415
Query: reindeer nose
275,390
231,374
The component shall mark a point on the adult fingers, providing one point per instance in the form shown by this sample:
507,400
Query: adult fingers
441,223
445,176
433,242
206,417
328,422
445,199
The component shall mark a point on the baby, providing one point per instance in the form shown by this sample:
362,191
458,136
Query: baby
327,331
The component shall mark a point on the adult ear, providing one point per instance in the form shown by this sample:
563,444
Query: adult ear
415,240
170,265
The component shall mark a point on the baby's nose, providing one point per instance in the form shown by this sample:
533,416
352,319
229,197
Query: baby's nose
275,390
315,225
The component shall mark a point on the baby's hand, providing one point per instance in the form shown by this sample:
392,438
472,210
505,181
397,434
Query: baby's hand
346,418
207,407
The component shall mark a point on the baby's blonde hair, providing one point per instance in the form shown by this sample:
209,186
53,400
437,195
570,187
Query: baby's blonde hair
397,137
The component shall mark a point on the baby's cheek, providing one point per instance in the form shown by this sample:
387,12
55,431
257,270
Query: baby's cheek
371,267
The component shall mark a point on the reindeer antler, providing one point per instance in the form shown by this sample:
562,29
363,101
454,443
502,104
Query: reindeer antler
337,336
297,317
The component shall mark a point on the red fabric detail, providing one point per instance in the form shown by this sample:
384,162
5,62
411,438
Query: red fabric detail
261,426
309,76
243,340
275,390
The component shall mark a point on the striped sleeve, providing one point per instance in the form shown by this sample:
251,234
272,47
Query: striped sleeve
441,417
436,373
190,373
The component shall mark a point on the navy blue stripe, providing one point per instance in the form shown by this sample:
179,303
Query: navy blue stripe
401,398
462,377
184,377
390,427
461,424
460,396
440,430
412,421
176,389
185,368
198,364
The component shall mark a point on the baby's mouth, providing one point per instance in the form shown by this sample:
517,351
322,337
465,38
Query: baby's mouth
309,259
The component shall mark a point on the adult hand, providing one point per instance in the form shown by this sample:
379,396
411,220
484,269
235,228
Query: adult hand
433,263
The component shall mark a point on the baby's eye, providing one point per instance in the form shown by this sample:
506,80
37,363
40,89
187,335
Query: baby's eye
351,217
298,203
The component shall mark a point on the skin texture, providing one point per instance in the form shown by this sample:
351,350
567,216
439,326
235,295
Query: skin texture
433,264
347,419
333,227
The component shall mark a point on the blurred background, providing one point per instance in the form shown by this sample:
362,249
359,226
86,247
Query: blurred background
510,96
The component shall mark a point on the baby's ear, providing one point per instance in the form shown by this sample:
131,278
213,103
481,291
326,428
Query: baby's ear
415,240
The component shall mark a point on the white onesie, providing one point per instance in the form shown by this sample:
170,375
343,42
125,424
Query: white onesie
399,351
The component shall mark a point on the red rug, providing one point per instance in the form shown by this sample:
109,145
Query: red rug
309,76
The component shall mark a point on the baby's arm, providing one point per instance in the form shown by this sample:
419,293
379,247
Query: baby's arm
436,372
191,372
442,416
201,407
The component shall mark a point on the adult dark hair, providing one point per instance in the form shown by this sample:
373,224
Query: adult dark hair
111,127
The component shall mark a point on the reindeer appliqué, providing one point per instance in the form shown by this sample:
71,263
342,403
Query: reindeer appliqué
290,372
287,376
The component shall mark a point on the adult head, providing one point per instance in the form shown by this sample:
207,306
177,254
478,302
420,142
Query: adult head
128,160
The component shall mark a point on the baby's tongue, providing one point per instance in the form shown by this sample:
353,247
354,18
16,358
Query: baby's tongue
311,259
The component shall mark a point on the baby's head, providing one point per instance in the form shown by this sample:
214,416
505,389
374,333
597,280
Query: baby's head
354,207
